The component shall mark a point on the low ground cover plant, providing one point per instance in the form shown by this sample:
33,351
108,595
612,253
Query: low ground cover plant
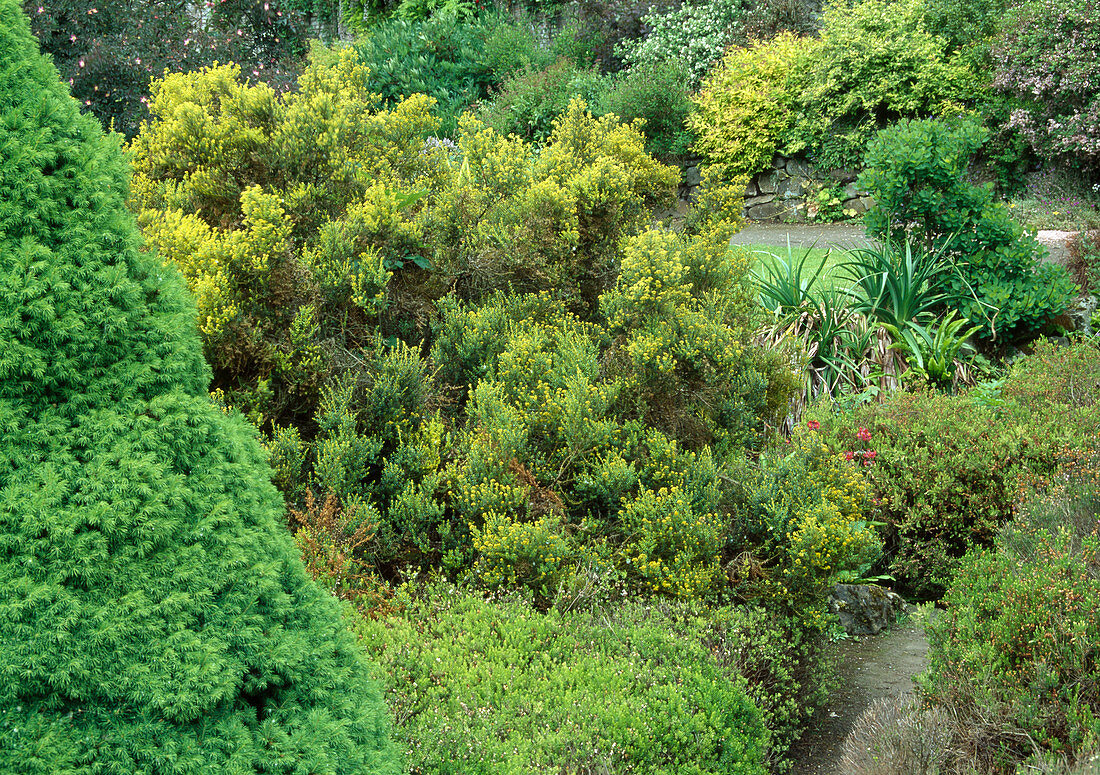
494,687
1013,653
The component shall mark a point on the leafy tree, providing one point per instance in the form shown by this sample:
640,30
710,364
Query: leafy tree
154,616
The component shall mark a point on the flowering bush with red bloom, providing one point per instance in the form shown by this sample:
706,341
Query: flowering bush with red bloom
1014,653
947,471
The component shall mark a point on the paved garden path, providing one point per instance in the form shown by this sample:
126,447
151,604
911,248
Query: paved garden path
823,235
867,669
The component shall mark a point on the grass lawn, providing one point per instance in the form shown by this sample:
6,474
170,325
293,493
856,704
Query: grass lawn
815,258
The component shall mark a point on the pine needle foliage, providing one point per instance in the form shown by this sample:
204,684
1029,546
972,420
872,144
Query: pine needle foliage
154,616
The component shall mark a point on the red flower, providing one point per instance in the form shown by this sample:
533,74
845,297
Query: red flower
849,455
863,434
813,425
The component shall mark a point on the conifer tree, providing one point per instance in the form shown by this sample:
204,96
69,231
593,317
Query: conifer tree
154,616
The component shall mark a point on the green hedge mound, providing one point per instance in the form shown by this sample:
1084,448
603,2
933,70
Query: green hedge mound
154,615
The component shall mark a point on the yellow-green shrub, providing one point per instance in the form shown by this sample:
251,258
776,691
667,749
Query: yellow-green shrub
248,192
682,318
799,518
534,554
512,219
876,61
672,547
309,224
744,107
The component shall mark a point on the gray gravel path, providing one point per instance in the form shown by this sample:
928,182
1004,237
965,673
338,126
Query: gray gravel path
824,235
868,669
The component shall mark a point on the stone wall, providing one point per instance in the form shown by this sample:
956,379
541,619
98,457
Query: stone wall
787,191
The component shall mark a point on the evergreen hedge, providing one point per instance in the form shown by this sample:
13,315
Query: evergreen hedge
154,615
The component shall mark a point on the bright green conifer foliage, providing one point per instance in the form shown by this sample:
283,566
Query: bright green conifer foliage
154,617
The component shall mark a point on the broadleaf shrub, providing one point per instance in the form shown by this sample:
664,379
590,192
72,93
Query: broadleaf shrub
916,170
456,63
528,102
657,94
154,614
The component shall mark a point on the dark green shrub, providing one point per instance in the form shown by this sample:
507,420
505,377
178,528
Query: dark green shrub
946,474
512,45
109,51
1013,656
457,63
495,687
948,470
657,94
967,27
602,27
916,170
528,102
154,615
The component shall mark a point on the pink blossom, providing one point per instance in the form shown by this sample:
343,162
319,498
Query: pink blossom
863,434
813,425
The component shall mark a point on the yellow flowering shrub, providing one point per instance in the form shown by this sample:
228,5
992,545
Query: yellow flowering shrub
683,318
671,546
510,218
287,215
802,519
532,554
480,344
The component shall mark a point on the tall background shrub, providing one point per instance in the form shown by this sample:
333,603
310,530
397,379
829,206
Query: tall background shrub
1047,59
